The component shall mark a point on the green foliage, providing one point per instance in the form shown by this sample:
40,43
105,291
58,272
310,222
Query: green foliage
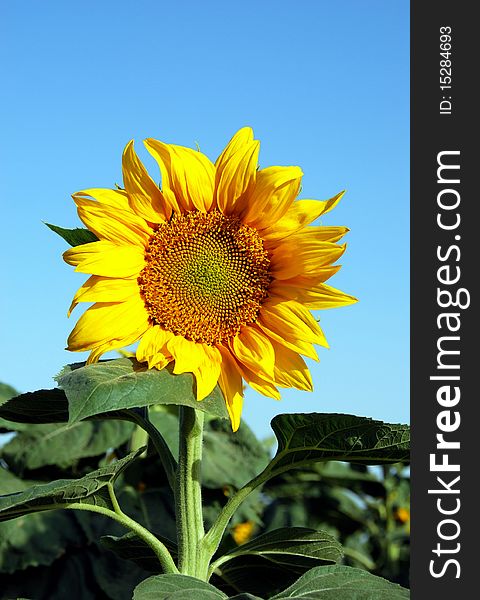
42,406
232,459
90,489
22,541
310,514
342,583
275,559
63,445
74,237
176,587
125,383
290,546
308,438
131,547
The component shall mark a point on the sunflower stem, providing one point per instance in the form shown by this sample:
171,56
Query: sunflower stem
188,494
160,550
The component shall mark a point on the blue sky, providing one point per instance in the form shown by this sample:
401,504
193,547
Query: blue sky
324,84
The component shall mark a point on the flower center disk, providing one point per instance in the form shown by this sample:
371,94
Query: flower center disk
206,275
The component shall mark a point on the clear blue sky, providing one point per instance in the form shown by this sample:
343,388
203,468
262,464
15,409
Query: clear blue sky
324,84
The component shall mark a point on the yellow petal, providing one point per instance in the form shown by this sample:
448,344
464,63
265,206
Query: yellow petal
153,347
298,287
116,344
292,321
325,234
112,224
275,190
290,369
208,372
302,255
105,289
108,322
187,173
243,137
299,215
106,259
188,355
236,177
253,348
144,196
258,383
159,361
314,296
113,198
294,343
230,382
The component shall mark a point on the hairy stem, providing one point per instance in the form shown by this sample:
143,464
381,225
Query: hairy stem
188,494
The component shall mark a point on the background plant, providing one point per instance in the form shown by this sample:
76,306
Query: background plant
324,503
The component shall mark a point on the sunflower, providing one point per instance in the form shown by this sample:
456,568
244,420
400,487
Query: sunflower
215,271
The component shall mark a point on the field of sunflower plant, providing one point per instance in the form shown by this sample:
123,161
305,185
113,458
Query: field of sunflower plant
135,477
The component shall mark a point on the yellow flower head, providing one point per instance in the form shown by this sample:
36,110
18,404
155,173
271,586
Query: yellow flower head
242,532
216,271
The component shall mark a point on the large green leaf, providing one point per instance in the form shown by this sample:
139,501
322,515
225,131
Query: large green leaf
176,587
63,445
74,237
231,458
288,546
51,406
23,542
42,406
91,489
125,383
117,578
274,560
131,547
315,437
342,583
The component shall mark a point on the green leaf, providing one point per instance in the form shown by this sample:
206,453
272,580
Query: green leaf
6,392
308,438
176,587
125,383
42,406
342,583
74,237
131,547
63,445
254,575
116,578
68,577
23,542
91,489
297,546
230,458
275,559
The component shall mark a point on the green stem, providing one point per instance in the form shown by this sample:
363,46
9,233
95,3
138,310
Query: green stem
212,539
166,457
161,551
188,494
